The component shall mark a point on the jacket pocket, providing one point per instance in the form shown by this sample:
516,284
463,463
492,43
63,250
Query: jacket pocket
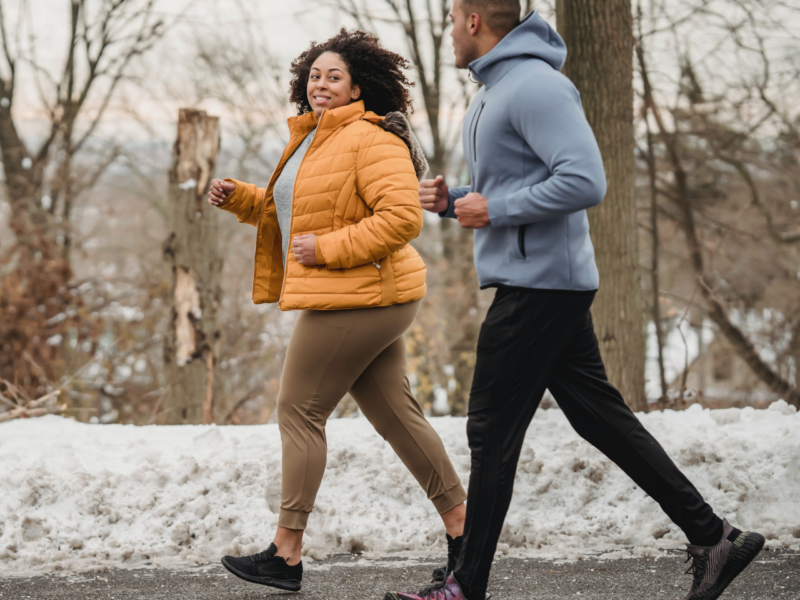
521,240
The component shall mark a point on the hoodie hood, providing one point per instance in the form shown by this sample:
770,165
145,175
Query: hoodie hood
532,38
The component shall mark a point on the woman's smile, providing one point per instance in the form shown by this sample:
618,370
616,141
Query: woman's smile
330,84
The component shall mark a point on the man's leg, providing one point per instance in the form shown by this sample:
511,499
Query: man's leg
598,413
524,334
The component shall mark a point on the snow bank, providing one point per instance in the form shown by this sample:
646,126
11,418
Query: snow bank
91,496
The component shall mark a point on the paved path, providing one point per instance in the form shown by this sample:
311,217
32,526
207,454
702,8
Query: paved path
774,577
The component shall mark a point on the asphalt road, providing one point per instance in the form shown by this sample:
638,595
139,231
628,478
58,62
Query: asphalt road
775,576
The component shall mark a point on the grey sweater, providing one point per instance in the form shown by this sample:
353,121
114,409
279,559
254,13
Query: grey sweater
284,189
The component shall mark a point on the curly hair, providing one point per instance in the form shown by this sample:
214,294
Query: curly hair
376,70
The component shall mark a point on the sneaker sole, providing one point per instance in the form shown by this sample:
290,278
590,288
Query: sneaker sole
737,563
395,596
291,585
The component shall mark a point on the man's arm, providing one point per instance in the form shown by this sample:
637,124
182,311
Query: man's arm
547,113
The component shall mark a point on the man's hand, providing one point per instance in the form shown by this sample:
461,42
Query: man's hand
219,191
304,249
472,211
434,195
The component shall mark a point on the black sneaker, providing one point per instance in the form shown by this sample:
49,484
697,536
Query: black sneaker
714,567
267,569
453,550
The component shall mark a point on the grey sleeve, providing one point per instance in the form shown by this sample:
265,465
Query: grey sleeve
549,116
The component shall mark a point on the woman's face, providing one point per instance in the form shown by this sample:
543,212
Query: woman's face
329,84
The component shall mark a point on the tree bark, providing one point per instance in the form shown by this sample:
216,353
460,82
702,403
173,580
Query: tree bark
599,36
192,251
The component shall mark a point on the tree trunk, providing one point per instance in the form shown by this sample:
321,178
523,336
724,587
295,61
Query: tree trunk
192,251
599,36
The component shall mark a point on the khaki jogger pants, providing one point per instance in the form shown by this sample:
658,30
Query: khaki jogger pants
361,351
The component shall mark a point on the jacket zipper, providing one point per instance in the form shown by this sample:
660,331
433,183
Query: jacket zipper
475,133
521,240
294,195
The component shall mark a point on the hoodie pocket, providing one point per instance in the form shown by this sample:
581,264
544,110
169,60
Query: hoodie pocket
475,133
521,241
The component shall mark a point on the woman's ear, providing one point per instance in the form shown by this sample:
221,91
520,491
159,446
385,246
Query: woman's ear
356,92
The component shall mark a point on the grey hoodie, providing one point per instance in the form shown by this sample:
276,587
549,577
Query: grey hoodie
531,152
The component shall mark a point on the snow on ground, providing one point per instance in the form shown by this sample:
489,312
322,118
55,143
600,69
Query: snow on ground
81,497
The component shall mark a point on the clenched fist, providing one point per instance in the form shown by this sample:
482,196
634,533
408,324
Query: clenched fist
219,191
434,195
472,211
304,248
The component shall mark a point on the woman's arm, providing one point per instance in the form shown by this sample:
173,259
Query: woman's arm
243,200
386,180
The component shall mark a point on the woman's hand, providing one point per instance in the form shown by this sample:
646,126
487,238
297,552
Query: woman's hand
304,248
219,191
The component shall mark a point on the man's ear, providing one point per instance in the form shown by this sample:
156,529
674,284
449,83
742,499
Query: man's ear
474,23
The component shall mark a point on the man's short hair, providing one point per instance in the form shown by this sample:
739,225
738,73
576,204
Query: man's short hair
500,15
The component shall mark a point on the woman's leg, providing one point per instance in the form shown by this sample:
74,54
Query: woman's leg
384,396
328,352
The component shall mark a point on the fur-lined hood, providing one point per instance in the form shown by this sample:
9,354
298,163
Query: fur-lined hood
397,123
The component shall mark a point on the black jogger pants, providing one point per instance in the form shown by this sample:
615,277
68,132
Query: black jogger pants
534,340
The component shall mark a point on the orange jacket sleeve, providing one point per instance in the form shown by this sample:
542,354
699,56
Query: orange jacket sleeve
245,202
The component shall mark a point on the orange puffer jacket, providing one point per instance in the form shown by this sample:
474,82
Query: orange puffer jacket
357,190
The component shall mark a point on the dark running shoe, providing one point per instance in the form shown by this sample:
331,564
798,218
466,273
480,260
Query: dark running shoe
441,574
715,567
267,569
447,590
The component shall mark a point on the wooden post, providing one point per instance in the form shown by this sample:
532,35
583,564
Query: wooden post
599,38
190,347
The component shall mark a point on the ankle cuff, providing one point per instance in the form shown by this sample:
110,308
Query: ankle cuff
293,519
448,500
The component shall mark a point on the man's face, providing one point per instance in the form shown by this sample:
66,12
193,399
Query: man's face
464,45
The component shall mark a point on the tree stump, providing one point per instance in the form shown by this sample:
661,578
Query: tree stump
192,250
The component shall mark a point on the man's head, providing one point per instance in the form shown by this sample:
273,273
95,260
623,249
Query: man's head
479,24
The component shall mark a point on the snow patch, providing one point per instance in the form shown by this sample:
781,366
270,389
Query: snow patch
77,497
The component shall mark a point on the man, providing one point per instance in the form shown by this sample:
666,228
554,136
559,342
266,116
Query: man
535,168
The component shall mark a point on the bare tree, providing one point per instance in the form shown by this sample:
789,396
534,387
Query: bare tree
243,77
728,148
43,180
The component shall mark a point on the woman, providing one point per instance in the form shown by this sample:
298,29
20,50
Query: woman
345,192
